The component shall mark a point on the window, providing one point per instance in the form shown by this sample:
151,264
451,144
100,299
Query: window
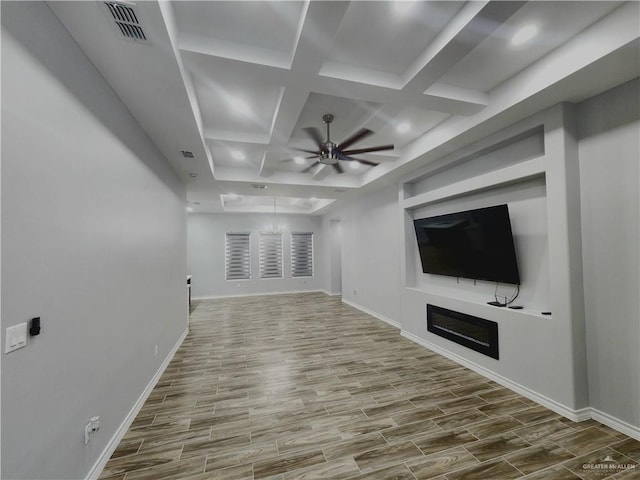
270,255
302,254
237,256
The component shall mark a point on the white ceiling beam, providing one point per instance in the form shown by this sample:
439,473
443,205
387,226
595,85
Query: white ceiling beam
458,94
322,172
264,172
213,47
218,135
390,96
475,22
230,174
207,66
308,56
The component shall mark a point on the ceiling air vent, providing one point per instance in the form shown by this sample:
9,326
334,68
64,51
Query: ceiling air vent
259,186
127,21
187,154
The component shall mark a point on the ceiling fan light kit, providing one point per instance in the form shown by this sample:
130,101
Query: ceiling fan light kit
330,153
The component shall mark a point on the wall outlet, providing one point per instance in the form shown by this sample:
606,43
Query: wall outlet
90,428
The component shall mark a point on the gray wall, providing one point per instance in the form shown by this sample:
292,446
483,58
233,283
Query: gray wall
93,242
371,235
609,146
206,244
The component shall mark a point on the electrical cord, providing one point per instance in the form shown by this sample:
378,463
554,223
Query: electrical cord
507,301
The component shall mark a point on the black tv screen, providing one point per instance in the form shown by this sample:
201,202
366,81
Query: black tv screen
476,244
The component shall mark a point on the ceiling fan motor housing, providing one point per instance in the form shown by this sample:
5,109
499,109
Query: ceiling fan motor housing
326,154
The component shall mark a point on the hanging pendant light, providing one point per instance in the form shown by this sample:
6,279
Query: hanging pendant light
275,227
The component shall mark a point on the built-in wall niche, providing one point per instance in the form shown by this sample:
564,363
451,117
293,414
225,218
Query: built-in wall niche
479,161
515,177
528,213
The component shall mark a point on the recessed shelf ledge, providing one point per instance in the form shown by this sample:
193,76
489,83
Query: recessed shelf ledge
475,306
505,176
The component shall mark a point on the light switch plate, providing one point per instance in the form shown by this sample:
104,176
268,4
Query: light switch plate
16,337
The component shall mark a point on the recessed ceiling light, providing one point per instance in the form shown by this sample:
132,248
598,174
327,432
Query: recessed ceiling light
403,7
239,106
189,209
523,35
299,160
403,127
238,155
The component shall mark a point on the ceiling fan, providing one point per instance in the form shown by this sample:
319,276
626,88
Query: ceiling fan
330,153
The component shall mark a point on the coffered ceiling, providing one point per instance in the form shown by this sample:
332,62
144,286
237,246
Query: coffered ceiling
236,83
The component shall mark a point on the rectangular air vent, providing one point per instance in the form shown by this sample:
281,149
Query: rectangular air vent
127,21
259,186
187,154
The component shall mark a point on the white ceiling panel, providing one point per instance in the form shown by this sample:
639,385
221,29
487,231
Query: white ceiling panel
266,25
389,36
495,60
236,154
236,103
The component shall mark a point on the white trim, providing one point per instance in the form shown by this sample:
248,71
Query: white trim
379,316
337,294
102,460
574,415
615,423
214,297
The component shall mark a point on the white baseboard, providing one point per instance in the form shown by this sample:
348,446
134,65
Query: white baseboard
260,294
99,465
560,409
615,423
331,294
377,315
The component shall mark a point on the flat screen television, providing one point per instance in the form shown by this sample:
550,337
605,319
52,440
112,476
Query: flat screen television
476,244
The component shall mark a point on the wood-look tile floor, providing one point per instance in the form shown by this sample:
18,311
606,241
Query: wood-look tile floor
303,386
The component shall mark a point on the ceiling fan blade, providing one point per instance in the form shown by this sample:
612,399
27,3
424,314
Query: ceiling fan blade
338,167
366,162
293,159
307,151
310,167
356,137
340,155
370,149
315,135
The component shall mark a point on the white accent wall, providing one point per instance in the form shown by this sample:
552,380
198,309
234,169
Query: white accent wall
206,254
93,242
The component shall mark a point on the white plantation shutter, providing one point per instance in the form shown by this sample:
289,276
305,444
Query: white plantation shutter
270,255
237,256
302,254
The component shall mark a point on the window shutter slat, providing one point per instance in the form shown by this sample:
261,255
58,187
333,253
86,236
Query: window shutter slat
302,254
237,256
270,255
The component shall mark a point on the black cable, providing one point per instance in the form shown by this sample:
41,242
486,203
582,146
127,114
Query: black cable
509,301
